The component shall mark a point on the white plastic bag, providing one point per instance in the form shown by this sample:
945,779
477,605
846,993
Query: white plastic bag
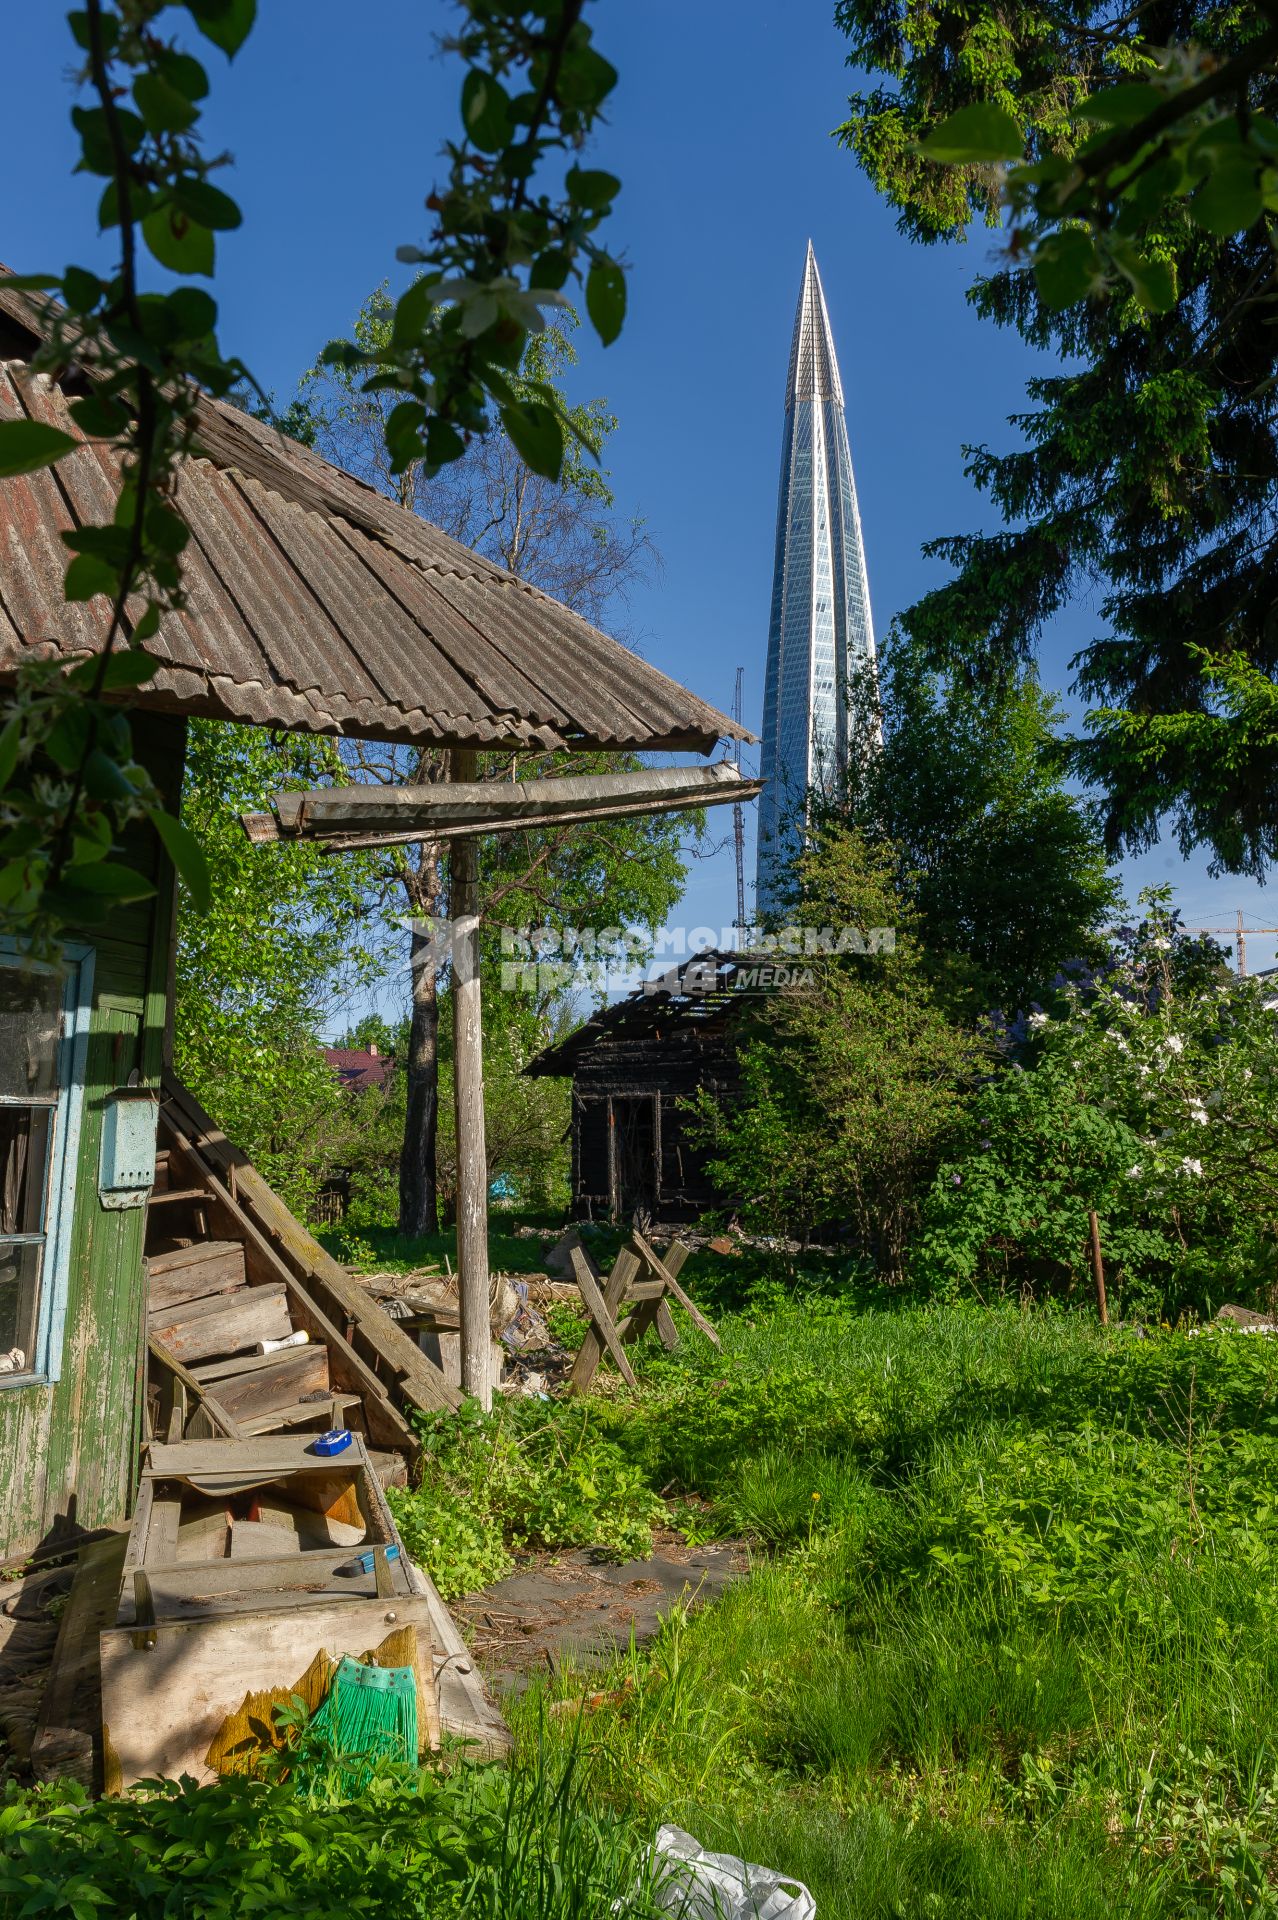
717,1886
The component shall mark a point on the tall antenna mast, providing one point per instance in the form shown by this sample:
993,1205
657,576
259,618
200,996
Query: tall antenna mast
738,818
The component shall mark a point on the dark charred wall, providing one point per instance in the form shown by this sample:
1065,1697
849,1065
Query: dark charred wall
632,1145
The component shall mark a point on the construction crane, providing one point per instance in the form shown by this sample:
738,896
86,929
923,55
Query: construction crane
738,818
1240,933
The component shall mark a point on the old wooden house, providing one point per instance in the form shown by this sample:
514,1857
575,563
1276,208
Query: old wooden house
634,1067
314,604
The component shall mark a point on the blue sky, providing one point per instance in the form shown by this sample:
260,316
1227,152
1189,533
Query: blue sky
720,131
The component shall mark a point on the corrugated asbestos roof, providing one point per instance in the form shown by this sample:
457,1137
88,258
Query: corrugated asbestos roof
316,604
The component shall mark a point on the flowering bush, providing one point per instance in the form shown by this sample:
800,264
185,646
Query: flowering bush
1148,1094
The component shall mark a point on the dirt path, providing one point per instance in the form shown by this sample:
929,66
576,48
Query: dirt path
578,1609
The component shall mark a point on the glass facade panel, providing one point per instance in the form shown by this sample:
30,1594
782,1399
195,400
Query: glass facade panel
820,635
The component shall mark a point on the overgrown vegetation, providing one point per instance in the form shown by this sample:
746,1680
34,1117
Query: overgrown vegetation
529,1475
465,1839
1005,1649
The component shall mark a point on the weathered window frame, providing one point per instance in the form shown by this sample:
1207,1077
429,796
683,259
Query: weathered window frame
57,1228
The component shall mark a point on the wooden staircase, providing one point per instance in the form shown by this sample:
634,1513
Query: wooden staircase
231,1275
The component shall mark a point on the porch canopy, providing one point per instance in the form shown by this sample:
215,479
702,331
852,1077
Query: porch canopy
315,604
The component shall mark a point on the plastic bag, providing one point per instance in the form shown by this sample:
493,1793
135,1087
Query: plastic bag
717,1886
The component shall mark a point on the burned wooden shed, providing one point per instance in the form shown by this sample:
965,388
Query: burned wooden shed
634,1067
313,604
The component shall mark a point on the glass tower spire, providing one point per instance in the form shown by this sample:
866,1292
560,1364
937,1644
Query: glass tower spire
820,636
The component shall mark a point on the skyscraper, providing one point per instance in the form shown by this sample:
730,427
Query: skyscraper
820,636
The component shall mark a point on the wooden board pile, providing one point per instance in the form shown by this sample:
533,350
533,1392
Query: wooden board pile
251,1568
255,1371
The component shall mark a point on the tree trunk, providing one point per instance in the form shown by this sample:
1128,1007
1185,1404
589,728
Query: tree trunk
418,1186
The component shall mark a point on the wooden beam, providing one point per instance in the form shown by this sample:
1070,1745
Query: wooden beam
676,1292
602,1308
358,842
468,1100
451,808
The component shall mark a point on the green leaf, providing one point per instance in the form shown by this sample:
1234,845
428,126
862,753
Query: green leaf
67,738
1119,106
591,188
28,445
109,543
1153,281
1229,201
10,741
177,242
485,107
187,855
105,778
164,109
80,289
413,310
1066,268
30,282
89,575
201,201
537,437
127,667
105,877
606,299
194,312
183,71
443,443
982,132
227,23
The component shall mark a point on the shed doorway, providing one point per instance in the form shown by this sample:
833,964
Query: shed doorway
635,1141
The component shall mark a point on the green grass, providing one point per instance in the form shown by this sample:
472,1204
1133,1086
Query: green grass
1017,1657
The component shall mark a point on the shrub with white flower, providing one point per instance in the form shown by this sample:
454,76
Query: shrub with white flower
1153,1098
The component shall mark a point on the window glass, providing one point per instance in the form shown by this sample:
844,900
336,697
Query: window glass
31,1017
24,1156
20,1262
30,1029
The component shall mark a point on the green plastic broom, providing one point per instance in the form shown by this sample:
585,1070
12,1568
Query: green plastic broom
368,1714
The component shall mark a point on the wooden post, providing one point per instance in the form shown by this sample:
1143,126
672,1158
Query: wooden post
468,1081
1098,1267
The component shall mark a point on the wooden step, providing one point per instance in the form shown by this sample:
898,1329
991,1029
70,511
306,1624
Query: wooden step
224,1324
173,1194
230,1367
248,1396
297,1415
211,1266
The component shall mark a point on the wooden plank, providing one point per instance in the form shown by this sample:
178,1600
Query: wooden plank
466,1707
280,1456
163,1710
66,1736
279,1244
662,1272
205,1303
174,1376
301,1370
193,1282
646,1290
269,1222
591,1349
487,806
256,1314
294,1415
205,1253
162,1534
237,1365
602,1309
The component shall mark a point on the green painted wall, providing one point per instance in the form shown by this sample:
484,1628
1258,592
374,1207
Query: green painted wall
70,1450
